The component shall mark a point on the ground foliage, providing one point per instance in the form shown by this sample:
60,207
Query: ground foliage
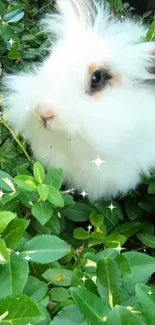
62,259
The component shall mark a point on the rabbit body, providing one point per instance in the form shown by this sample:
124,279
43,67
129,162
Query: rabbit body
66,124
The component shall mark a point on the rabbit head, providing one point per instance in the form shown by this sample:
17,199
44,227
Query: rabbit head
94,84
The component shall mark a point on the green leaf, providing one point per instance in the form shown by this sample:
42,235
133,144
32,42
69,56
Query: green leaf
5,219
146,300
2,9
15,231
39,172
80,233
58,277
127,229
13,54
42,211
91,307
96,238
59,294
4,255
54,177
109,282
35,289
123,265
115,240
69,316
45,249
147,239
43,191
132,209
6,182
78,212
13,276
96,219
111,218
55,197
142,266
150,36
26,182
122,316
26,313
151,188
14,16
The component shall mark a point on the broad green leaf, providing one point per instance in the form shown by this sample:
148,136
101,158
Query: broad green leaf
127,229
124,316
147,239
96,219
2,9
69,316
5,219
109,281
151,188
13,276
26,182
55,197
115,240
123,265
150,36
35,289
132,209
96,238
43,191
59,294
45,249
20,310
6,182
78,212
42,211
39,172
58,277
146,300
54,177
91,306
14,16
80,233
15,231
13,54
4,255
142,266
111,218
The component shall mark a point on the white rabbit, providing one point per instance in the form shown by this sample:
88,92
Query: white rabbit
93,96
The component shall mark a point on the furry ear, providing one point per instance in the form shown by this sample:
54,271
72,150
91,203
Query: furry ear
76,10
70,15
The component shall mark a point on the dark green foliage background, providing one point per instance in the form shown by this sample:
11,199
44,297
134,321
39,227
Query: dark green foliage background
62,259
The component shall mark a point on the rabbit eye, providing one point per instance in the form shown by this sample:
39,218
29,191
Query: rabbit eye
99,79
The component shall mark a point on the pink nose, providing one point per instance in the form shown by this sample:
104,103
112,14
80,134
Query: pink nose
47,116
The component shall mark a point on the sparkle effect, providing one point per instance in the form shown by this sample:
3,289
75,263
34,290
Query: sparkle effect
27,108
119,248
1,194
89,228
11,41
150,293
98,161
111,207
84,278
18,253
84,194
27,258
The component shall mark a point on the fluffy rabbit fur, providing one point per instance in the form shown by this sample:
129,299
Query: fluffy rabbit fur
117,123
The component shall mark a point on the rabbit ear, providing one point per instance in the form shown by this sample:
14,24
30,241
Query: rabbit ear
80,10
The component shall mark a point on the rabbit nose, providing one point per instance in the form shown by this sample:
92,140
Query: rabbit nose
45,115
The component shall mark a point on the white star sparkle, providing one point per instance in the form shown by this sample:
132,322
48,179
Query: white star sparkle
1,194
27,258
111,207
27,108
89,228
11,41
84,278
150,293
98,161
18,253
84,194
119,248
